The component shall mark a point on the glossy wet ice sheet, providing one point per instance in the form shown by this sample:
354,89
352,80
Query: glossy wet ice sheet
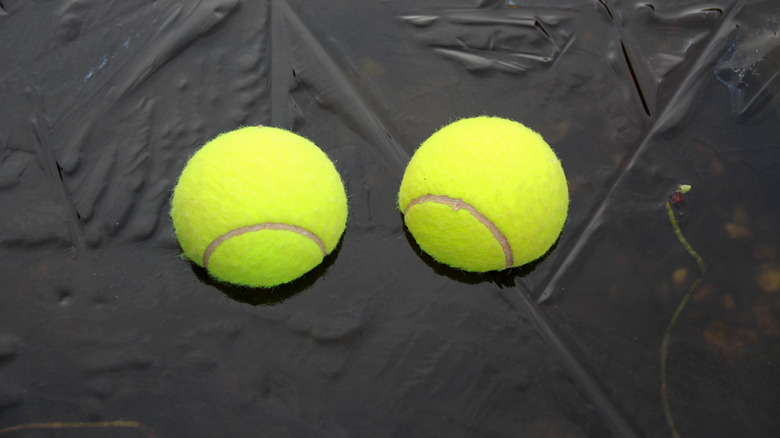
105,330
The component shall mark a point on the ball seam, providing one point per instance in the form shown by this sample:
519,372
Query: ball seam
457,204
259,227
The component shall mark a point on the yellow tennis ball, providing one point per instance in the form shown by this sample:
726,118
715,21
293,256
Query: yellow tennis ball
484,194
259,207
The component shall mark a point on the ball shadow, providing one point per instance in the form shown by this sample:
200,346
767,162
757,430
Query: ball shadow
504,278
259,296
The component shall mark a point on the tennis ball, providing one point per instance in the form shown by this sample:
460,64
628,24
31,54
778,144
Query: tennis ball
484,194
259,207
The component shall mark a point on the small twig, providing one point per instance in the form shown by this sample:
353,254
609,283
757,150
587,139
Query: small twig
676,316
80,425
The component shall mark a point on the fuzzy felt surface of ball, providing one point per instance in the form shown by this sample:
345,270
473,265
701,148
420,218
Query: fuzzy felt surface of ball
484,194
259,207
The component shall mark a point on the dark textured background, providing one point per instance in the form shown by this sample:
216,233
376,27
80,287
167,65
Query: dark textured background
102,102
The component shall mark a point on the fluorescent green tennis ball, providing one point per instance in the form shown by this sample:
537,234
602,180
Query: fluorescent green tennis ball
259,207
484,194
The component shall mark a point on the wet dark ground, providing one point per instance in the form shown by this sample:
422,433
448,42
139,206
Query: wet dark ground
101,320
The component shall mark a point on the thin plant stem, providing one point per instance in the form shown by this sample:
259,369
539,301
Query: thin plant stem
676,316
79,425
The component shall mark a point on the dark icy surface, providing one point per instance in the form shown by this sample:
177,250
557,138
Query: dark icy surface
101,320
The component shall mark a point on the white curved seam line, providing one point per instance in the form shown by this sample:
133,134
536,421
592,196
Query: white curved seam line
459,203
258,227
